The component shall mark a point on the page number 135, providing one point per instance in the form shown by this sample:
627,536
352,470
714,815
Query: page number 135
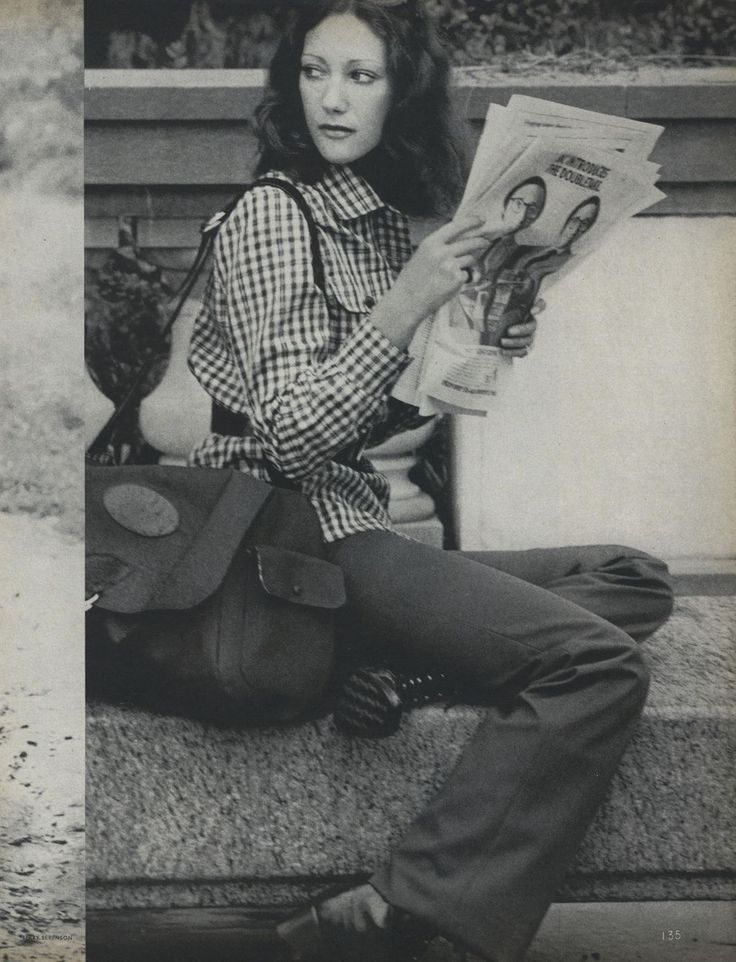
671,935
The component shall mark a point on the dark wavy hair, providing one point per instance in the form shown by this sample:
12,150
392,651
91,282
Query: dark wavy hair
419,165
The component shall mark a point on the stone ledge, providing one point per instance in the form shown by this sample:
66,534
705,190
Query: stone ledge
185,134
181,813
232,94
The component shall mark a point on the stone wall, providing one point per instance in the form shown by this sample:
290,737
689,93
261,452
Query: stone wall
620,426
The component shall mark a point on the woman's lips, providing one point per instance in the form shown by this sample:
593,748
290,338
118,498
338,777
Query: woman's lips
335,132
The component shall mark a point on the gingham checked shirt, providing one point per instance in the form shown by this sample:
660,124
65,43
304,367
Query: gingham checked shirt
307,368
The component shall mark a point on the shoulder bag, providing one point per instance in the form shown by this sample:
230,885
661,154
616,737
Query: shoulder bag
207,590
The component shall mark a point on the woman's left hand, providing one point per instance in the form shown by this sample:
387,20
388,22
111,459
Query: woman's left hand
518,338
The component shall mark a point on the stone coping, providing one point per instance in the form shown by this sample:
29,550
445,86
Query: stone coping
188,94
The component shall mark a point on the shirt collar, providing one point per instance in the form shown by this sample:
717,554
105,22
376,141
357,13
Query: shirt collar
340,194
345,195
349,194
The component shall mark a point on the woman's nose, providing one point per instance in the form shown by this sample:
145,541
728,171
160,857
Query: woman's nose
334,98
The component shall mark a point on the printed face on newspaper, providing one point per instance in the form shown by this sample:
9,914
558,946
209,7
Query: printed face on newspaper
546,202
552,205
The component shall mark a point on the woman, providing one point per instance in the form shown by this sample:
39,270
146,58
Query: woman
356,115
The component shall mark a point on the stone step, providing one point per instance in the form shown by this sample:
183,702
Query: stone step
185,814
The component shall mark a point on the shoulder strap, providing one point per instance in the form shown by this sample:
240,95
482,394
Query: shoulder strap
99,447
210,229
298,198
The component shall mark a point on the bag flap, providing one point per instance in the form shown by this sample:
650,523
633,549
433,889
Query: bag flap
170,532
299,578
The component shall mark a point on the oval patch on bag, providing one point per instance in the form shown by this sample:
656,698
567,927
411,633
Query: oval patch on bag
141,510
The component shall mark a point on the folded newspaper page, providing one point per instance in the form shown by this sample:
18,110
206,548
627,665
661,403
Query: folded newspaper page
550,181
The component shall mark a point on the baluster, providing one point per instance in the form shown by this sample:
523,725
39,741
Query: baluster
97,409
411,508
175,416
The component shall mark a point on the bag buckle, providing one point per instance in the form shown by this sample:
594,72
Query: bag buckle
214,222
91,601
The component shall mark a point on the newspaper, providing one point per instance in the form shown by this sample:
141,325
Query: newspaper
550,181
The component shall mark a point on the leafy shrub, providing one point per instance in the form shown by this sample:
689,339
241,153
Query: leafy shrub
699,27
484,30
125,312
184,33
236,33
124,315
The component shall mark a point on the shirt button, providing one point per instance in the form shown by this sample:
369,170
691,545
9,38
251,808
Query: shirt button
297,589
370,302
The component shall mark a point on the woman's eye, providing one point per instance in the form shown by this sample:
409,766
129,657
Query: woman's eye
363,76
311,71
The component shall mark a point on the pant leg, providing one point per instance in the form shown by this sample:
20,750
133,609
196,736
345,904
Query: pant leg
485,857
628,587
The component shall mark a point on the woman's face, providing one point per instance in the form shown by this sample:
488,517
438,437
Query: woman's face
345,88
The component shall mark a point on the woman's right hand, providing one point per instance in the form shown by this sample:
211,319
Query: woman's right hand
435,273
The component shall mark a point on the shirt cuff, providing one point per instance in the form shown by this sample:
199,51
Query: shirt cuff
370,360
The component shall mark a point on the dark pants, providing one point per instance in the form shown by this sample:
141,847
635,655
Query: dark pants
547,637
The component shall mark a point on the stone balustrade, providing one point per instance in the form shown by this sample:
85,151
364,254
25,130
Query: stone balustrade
176,415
